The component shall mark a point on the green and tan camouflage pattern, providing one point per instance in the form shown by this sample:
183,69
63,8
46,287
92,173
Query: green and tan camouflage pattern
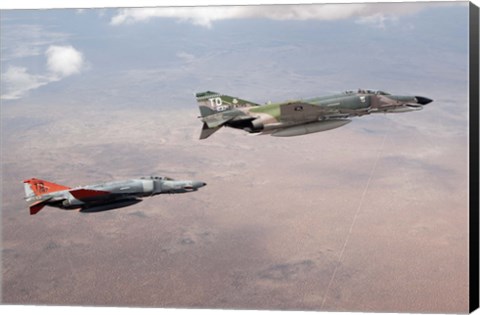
219,110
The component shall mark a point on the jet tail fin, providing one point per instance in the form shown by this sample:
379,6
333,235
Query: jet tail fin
36,190
217,109
37,187
211,103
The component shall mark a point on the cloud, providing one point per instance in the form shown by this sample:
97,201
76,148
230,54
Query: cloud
205,16
18,82
27,40
62,61
377,20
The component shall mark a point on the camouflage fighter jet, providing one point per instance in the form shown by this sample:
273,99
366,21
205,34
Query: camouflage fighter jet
100,197
298,117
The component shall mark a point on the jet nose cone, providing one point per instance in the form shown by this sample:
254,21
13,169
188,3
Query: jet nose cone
198,184
423,100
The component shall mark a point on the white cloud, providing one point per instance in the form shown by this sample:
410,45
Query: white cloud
27,40
377,20
62,61
18,82
205,16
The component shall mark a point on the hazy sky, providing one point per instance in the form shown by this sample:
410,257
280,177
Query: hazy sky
160,57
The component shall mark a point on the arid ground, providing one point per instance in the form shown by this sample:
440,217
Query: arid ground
369,217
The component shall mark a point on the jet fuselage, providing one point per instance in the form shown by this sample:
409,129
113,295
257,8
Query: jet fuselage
109,195
299,117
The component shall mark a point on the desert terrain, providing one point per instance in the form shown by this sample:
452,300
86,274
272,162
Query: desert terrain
369,217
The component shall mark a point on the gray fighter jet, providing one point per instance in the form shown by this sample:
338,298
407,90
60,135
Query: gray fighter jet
101,197
298,117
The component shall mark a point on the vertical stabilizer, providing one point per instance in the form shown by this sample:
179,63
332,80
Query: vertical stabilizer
37,187
211,103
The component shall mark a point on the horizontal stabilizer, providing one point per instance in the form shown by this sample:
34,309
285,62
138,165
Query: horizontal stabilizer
217,120
207,132
36,208
87,193
38,205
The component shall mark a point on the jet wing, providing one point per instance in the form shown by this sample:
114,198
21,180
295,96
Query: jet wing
299,111
82,194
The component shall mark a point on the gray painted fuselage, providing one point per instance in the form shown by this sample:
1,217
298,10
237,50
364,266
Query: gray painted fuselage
110,195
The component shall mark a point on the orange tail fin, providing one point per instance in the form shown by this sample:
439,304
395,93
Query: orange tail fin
38,187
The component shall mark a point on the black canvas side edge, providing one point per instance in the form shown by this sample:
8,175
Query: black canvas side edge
474,159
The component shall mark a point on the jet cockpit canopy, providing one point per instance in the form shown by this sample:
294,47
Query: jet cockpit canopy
376,92
157,177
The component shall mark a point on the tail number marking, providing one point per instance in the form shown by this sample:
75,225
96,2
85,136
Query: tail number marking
40,188
217,104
